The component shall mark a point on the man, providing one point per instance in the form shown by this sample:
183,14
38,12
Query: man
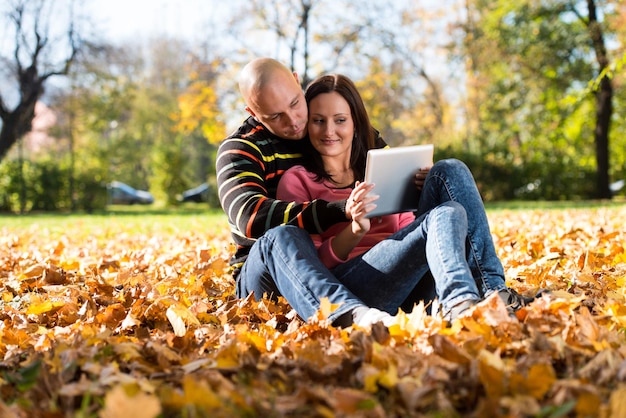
249,165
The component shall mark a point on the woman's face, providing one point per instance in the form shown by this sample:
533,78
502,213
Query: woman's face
331,128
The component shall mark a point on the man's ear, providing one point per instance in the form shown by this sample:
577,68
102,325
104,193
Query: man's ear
295,74
250,111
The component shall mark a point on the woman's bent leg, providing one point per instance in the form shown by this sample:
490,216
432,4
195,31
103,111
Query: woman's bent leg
445,251
451,180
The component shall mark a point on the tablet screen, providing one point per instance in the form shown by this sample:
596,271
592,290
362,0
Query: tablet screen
393,170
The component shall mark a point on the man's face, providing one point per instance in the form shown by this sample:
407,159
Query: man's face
281,107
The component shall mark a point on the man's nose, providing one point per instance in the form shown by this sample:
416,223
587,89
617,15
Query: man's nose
292,118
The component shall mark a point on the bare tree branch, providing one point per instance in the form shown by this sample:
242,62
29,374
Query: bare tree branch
31,68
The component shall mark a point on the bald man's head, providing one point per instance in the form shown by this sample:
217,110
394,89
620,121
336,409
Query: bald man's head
274,97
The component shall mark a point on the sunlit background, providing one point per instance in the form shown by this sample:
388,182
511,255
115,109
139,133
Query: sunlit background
528,93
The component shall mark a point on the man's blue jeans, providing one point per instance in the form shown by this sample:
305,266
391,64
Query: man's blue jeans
450,236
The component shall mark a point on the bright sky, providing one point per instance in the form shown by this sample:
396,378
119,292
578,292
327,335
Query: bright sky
121,20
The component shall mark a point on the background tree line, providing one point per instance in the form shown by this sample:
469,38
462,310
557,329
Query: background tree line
528,93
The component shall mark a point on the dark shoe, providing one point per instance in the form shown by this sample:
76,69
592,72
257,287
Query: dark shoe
459,310
513,300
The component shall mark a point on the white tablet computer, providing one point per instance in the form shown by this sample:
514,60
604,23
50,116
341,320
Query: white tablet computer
393,170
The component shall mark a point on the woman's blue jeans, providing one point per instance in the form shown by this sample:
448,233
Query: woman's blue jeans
450,237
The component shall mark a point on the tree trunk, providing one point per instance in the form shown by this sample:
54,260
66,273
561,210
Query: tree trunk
18,122
604,110
6,140
604,106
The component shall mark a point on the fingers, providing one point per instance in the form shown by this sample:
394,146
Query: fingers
361,209
360,202
361,192
420,177
361,197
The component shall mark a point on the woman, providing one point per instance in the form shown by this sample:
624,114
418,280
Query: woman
380,260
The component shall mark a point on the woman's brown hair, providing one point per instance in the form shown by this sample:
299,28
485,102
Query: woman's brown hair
364,133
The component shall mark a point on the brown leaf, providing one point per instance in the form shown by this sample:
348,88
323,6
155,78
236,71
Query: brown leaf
448,350
54,275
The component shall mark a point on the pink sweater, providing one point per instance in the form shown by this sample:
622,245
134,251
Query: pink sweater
299,185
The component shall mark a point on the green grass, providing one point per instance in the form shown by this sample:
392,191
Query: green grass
150,220
555,205
130,219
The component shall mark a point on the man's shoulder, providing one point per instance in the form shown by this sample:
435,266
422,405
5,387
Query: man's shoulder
250,134
253,131
253,137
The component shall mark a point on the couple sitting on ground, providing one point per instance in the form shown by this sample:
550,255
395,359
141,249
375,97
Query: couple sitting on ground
291,182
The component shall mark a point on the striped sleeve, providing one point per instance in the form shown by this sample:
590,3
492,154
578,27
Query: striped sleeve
244,172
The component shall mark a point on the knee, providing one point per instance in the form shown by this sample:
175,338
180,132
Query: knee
452,211
451,168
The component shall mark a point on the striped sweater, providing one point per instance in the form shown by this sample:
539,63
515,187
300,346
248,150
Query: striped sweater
249,165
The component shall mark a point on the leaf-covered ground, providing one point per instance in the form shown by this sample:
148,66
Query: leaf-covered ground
136,325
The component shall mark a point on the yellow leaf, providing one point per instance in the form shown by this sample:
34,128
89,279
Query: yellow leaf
536,383
118,403
369,377
259,341
195,392
180,316
389,378
588,404
39,305
492,374
39,308
326,308
540,379
180,329
228,356
617,403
